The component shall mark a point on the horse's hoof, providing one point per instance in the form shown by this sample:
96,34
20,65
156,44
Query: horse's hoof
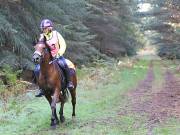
57,122
53,124
73,118
53,127
62,118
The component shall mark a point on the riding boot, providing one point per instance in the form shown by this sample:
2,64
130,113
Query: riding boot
69,81
40,94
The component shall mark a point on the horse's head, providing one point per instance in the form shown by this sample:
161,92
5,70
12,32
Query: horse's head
42,52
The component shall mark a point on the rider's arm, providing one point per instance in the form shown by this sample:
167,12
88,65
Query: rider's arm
40,43
62,44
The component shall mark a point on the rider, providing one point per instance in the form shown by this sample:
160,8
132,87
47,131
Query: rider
57,46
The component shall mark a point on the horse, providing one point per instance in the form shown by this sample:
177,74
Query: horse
51,81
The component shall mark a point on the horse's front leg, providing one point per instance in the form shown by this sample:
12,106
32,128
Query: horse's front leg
49,98
55,99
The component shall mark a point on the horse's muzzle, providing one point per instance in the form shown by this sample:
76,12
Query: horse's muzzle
36,58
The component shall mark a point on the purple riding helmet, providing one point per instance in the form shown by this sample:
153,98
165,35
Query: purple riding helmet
46,23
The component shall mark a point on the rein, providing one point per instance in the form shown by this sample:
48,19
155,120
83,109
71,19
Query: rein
52,61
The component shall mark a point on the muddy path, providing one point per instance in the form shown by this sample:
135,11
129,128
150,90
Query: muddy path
156,100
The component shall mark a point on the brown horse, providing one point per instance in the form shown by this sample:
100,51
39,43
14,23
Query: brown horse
50,80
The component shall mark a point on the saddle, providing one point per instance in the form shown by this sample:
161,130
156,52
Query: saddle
64,79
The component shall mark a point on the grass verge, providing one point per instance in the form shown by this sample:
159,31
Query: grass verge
100,98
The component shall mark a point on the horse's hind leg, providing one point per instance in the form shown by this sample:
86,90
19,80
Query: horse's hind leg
73,101
56,117
62,118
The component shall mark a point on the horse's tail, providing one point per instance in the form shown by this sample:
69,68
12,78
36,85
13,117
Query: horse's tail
65,95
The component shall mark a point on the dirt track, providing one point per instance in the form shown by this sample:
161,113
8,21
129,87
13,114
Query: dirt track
157,101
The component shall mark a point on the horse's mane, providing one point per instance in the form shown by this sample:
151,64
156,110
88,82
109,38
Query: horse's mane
47,47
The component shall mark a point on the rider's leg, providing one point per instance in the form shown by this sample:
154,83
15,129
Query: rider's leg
36,72
63,64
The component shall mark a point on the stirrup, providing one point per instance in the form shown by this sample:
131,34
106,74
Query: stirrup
40,94
70,85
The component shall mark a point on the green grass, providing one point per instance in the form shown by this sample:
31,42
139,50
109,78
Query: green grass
100,97
171,127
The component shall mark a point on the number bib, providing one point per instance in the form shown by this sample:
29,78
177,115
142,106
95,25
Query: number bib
53,44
